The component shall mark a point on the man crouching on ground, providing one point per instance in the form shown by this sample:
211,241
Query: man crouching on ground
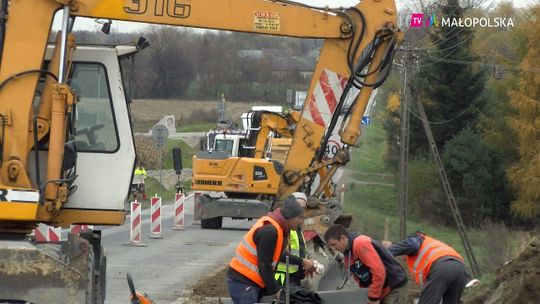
251,271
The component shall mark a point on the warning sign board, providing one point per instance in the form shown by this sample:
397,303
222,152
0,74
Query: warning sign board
333,146
266,21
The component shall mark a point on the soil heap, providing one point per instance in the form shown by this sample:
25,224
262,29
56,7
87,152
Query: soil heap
518,281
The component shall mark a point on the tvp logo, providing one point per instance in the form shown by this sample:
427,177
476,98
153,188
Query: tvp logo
416,19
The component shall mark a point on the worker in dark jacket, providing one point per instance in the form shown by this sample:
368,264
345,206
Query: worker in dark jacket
373,265
251,271
435,266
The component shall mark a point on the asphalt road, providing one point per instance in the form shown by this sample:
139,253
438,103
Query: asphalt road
168,266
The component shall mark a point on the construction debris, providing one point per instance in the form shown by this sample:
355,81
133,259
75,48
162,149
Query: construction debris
515,282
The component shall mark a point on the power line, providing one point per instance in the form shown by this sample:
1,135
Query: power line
534,69
441,122
434,44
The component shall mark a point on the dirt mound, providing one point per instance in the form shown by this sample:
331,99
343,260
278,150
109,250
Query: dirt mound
212,286
515,282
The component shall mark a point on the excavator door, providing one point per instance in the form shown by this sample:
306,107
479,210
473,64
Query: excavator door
103,138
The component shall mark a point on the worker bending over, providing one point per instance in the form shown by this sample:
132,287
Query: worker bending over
435,266
373,265
251,271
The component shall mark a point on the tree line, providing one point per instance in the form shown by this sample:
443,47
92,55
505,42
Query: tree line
201,65
480,88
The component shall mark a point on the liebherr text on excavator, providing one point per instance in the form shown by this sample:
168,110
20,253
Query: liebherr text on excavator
66,147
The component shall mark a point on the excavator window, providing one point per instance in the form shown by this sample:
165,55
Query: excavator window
224,145
95,124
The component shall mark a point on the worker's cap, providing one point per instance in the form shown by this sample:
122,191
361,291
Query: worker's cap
291,208
300,196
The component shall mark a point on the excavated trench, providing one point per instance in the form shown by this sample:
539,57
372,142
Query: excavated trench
518,281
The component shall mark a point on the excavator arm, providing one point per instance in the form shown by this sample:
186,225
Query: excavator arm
38,150
357,44
263,123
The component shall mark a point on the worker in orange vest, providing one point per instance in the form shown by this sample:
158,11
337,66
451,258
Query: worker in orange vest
251,271
435,266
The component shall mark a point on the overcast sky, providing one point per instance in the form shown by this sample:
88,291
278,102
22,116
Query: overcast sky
119,26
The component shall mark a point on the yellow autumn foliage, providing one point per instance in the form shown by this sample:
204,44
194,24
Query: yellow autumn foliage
524,174
393,103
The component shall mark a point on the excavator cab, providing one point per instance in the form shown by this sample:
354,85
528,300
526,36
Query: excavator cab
101,158
103,141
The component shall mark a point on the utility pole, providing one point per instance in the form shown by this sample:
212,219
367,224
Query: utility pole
409,59
404,155
446,186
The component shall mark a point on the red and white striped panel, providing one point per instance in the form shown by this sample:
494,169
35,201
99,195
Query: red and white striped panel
179,210
46,233
55,234
323,101
76,229
135,231
155,212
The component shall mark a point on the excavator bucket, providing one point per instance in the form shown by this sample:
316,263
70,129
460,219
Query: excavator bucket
39,274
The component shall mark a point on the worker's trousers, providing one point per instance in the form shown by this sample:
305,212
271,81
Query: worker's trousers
397,296
242,293
445,282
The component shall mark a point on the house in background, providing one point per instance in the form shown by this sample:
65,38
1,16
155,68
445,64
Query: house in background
283,63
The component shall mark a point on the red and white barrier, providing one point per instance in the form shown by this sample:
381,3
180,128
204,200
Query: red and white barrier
77,229
45,233
135,225
179,214
155,214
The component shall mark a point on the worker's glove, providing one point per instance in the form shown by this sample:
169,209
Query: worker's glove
319,268
386,244
472,283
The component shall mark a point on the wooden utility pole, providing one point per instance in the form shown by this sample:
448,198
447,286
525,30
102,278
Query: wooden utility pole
404,150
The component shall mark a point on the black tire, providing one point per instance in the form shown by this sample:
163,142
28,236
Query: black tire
212,223
101,279
90,282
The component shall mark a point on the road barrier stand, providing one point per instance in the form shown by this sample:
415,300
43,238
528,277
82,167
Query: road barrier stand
179,214
48,234
135,226
155,214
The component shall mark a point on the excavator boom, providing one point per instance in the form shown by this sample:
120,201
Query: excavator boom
66,149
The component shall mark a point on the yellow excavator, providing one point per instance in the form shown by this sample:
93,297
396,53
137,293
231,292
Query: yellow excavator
66,148
301,150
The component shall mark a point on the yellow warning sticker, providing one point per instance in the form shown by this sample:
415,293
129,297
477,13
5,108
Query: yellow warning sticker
266,21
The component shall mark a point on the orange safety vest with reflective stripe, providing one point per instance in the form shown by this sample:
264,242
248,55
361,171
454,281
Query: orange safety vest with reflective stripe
245,260
429,252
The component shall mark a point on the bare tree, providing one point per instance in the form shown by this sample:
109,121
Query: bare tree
167,71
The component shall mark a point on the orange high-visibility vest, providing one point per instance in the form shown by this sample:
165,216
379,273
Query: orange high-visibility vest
429,252
245,260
